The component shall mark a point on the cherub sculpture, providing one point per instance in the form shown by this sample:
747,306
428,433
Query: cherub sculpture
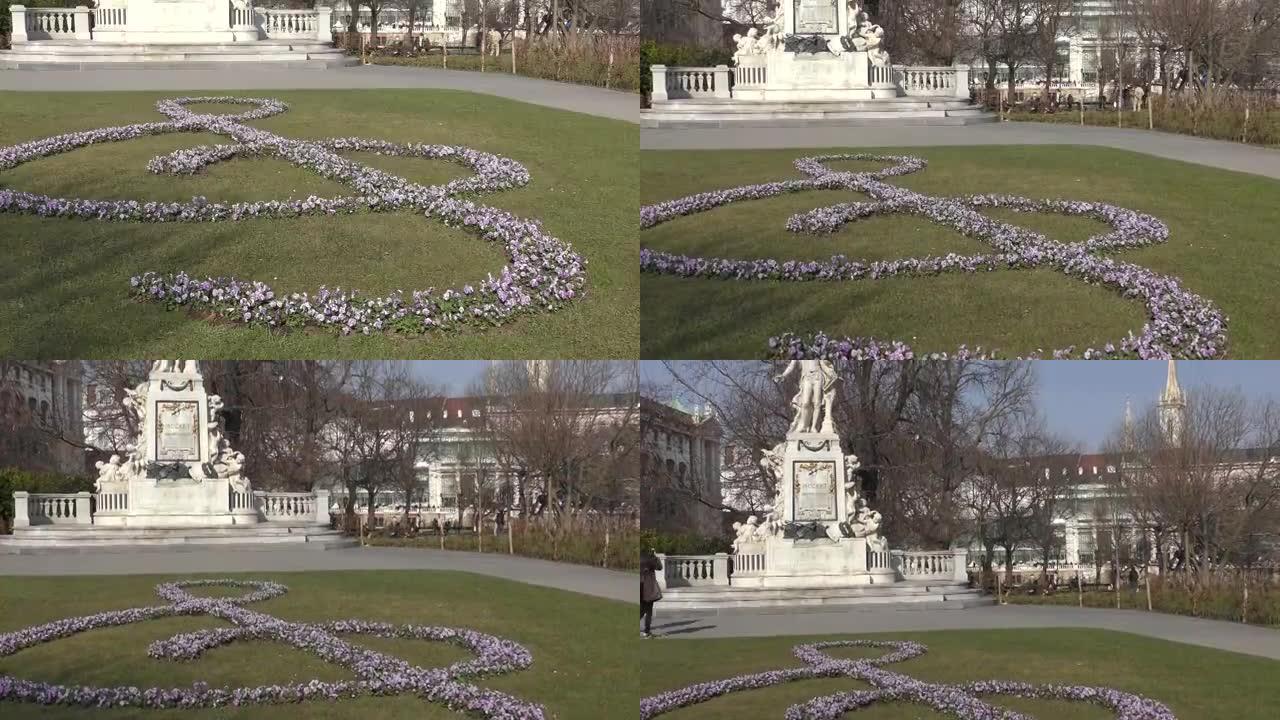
747,44
111,471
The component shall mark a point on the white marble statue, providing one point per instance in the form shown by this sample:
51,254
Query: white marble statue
775,29
749,532
1135,95
865,522
851,481
183,367
111,471
747,44
814,401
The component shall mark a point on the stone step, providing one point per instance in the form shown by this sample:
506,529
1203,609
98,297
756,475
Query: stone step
752,106
953,595
90,538
57,55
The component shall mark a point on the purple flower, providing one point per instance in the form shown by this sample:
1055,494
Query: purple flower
375,673
1181,324
543,272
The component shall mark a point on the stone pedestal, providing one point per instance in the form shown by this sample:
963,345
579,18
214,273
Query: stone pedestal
181,21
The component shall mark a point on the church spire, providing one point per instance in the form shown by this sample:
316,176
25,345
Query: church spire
1173,406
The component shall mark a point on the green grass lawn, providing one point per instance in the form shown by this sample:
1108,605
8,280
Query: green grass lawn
64,292
583,661
1195,683
1223,245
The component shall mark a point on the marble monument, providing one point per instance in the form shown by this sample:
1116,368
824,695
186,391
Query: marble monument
820,531
181,471
815,50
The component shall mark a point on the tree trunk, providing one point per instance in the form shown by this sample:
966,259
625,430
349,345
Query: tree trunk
1013,81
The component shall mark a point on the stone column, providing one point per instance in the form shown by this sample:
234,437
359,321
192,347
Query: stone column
962,81
662,574
18,14
722,82
84,508
322,506
720,569
659,72
82,22
324,33
20,499
960,566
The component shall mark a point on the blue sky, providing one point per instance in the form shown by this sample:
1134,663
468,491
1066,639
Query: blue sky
455,376
1083,401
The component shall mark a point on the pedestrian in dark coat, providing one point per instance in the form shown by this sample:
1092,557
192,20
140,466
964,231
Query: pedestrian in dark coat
650,593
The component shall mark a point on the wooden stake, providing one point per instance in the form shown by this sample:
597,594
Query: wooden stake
511,543
513,53
445,45
1079,585
1151,119
1147,575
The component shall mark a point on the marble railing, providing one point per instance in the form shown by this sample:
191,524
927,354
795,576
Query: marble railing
288,23
51,508
109,18
114,502
684,83
948,565
83,23
282,506
79,508
941,81
703,570
671,82
694,570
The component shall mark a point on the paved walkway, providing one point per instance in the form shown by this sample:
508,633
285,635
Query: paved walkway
1214,153
1247,639
565,96
608,584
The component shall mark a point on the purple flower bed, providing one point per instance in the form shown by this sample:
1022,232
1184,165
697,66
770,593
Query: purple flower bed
376,673
1181,323
543,273
960,701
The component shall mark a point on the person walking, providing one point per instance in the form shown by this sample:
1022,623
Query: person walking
650,593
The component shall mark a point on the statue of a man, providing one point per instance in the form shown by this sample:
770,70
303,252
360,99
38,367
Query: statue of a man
813,402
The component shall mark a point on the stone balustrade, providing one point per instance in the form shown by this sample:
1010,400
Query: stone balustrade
110,24
671,82
693,570
80,508
115,501
941,81
280,24
109,18
751,562
750,72
51,508
949,565
684,83
703,570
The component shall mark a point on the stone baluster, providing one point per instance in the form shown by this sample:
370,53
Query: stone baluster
659,73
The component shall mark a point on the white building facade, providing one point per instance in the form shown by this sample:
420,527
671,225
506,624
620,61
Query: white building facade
45,401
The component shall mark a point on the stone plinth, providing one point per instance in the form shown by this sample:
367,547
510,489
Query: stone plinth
181,21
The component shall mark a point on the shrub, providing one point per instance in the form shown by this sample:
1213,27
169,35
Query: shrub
608,61
684,543
12,479
608,544
1219,596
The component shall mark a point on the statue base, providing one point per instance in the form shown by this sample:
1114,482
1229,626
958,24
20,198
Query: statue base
816,77
165,503
813,563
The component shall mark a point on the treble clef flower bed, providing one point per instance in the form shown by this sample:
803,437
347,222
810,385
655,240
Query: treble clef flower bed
959,701
376,673
543,273
1181,323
